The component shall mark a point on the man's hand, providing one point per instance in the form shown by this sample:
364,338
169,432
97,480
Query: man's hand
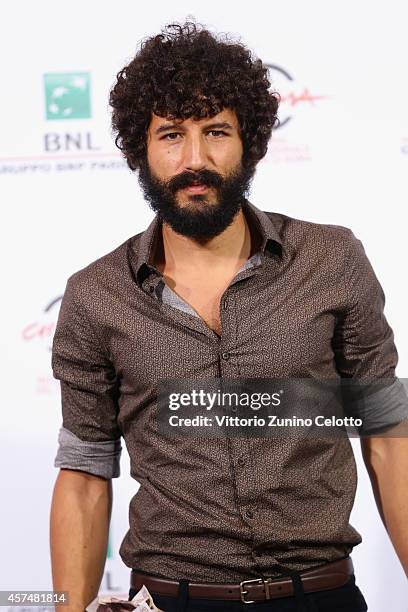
386,459
79,527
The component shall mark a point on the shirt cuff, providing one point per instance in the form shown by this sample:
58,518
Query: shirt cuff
382,408
98,458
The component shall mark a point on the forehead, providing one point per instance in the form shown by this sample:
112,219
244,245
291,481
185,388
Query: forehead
226,115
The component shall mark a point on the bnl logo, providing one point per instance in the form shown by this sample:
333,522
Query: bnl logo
67,95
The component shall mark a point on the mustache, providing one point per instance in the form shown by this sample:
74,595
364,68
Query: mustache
186,179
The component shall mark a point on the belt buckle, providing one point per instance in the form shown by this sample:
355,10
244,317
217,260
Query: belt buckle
263,581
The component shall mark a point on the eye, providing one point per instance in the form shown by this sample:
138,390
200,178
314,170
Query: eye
171,136
217,133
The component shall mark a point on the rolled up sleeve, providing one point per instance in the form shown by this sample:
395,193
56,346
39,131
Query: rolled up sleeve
89,438
98,458
364,348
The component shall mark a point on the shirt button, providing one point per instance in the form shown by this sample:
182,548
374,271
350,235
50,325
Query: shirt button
225,304
151,288
241,462
249,514
225,355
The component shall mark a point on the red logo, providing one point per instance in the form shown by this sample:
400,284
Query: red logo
291,93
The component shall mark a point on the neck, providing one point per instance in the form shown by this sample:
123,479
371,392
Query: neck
230,247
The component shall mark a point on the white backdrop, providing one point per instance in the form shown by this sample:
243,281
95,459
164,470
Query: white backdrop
341,157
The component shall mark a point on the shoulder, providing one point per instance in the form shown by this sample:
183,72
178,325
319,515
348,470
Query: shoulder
292,227
105,274
300,236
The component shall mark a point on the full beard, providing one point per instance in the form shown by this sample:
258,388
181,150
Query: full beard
199,217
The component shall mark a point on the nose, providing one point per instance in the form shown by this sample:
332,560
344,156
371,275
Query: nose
194,153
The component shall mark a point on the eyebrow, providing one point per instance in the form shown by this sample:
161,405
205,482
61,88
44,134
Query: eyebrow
166,127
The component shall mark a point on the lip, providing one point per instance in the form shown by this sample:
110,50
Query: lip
196,188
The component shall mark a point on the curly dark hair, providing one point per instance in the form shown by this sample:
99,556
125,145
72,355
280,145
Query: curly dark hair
187,72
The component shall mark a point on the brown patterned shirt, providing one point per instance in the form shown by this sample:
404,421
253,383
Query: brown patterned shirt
306,304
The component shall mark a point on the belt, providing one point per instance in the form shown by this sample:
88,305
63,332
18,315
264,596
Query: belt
323,578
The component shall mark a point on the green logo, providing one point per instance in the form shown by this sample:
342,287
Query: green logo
67,95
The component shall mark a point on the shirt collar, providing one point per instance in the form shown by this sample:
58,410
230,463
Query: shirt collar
143,252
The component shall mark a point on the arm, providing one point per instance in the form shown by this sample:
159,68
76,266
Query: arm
386,460
79,526
89,450
366,353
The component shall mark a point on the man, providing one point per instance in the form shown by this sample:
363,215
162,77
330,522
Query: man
215,288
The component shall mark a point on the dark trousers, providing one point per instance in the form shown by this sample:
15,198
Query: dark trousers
347,598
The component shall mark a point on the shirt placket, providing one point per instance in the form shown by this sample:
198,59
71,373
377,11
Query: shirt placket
240,461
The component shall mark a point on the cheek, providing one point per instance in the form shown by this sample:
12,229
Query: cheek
163,160
239,151
228,155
